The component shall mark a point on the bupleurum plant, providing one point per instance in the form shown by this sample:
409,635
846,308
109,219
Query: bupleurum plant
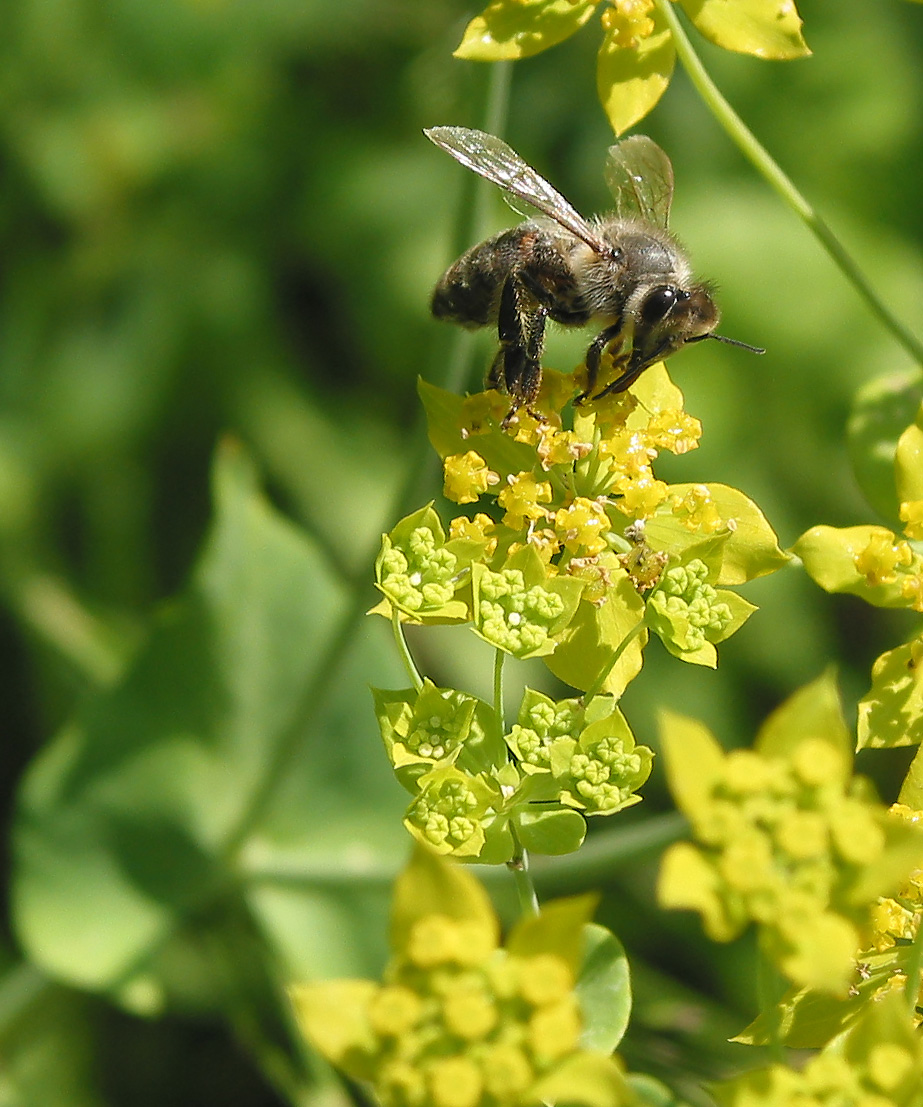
565,546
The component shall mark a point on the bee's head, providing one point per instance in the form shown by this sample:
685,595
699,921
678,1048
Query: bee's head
667,317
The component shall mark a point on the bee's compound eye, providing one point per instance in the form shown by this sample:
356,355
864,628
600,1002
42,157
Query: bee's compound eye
659,303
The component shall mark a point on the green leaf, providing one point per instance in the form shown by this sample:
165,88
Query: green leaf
604,990
765,28
47,1042
908,464
550,830
431,885
882,409
582,1080
829,555
911,792
694,761
813,712
750,550
333,1016
688,882
557,929
630,79
650,1092
510,29
174,788
891,712
590,646
451,431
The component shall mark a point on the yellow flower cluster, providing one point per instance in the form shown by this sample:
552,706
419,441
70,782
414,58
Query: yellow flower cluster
460,1021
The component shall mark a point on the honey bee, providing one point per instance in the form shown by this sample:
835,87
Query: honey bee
624,270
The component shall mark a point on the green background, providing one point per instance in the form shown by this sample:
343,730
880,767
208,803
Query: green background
219,221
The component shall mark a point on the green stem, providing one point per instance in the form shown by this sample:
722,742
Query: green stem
525,886
914,968
404,650
759,157
767,983
499,657
518,864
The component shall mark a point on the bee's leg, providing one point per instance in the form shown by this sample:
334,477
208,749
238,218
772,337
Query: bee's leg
620,384
521,330
593,357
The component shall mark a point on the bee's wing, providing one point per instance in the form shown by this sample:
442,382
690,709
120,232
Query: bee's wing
640,177
501,165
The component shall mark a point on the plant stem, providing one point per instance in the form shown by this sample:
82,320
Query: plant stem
518,864
404,650
760,158
767,984
913,968
499,657
519,867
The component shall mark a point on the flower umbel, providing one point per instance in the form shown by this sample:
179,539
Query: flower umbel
459,1020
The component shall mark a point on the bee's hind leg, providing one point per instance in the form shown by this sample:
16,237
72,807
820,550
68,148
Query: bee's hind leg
521,330
593,357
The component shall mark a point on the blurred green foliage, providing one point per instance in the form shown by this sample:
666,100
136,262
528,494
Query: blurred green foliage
219,218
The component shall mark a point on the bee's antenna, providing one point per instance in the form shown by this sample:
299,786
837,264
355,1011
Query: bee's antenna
737,342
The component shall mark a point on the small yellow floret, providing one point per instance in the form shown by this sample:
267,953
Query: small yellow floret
554,1029
674,430
697,511
455,1082
434,940
641,498
394,1009
545,978
582,525
912,518
479,529
628,21
467,477
879,561
520,500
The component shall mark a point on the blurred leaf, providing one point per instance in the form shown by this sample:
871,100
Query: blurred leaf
604,990
908,464
511,29
137,817
631,77
765,28
882,410
46,1042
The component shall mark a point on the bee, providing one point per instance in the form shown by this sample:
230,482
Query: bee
623,271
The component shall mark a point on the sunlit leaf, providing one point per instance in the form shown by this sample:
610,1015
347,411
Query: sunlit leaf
511,29
766,28
596,644
891,712
631,78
